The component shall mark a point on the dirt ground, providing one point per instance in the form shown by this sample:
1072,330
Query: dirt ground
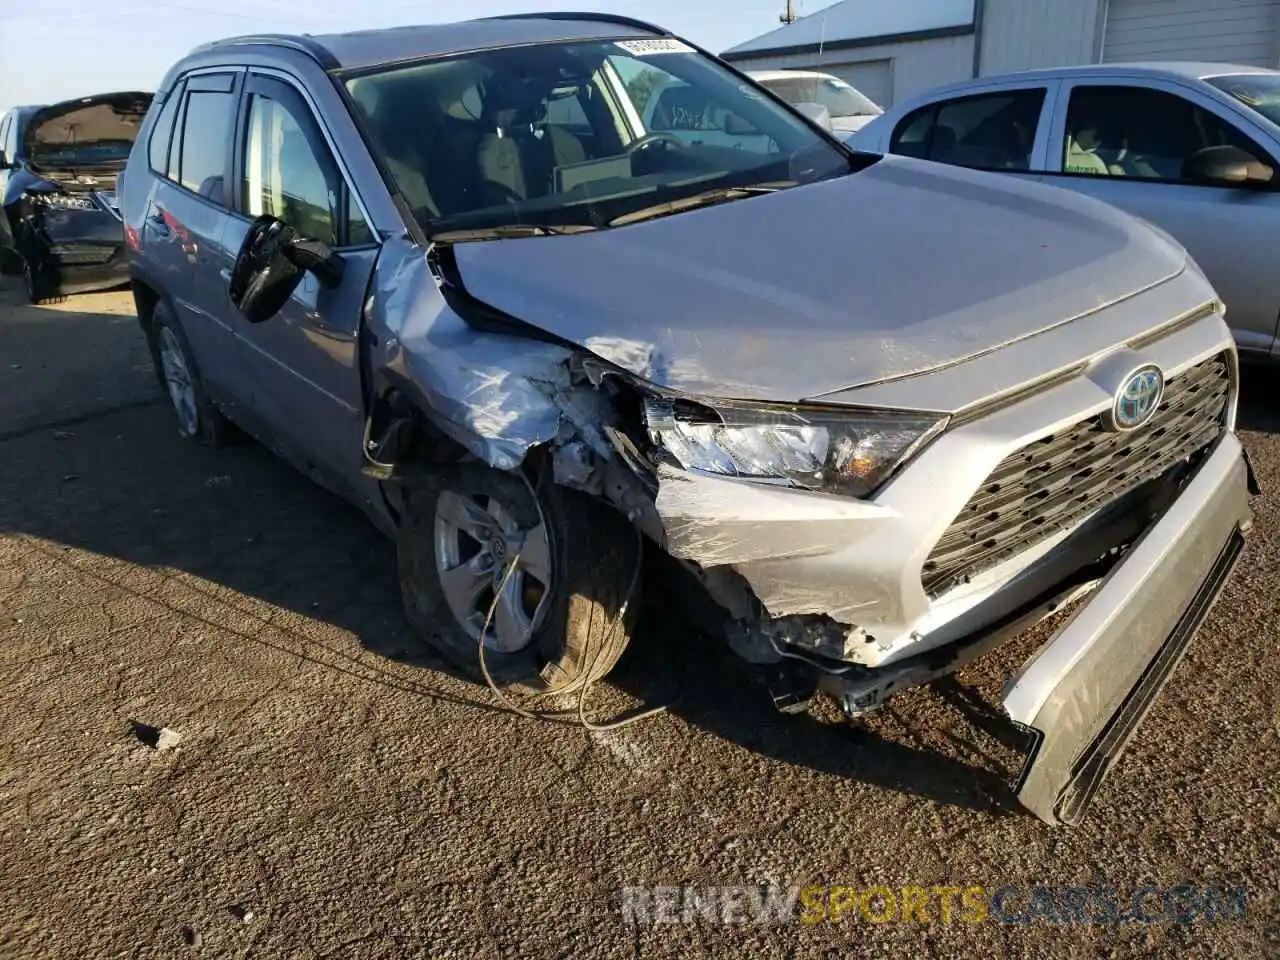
337,793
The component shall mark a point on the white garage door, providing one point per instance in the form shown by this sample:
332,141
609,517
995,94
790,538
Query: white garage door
1228,31
874,78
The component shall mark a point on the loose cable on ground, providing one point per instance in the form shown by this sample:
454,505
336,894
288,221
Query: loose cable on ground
590,678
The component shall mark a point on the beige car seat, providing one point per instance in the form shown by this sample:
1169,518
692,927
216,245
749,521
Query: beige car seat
1082,155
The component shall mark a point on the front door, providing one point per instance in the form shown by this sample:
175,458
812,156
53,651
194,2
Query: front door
1127,144
304,361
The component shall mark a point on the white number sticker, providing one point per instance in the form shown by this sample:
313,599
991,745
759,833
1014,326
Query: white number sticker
647,48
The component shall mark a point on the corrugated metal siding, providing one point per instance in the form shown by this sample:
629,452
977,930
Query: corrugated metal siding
914,65
1025,34
1231,31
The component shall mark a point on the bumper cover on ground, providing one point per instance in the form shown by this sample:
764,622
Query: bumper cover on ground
1086,691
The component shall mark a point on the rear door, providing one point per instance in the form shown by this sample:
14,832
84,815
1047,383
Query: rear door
1003,129
187,213
1125,142
304,361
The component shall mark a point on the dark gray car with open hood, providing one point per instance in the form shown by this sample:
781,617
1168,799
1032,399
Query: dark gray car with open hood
872,416
58,168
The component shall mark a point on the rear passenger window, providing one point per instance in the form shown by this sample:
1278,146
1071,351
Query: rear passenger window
162,133
206,134
992,131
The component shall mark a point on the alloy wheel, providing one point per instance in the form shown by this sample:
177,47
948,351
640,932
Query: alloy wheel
476,537
177,377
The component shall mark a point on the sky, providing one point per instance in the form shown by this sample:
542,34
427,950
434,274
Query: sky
53,50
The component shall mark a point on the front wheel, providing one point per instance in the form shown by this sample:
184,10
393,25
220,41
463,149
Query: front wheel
564,615
40,285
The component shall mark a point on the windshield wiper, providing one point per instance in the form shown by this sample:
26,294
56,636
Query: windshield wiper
707,198
510,231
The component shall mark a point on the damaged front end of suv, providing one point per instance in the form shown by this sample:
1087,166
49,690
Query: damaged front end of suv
861,539
878,415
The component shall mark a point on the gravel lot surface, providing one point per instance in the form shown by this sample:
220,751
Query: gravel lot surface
324,789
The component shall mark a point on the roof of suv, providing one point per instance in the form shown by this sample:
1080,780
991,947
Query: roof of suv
366,48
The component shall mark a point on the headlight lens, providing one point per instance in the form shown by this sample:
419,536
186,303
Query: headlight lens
64,201
848,452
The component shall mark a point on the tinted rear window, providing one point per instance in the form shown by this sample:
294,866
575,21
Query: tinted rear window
206,133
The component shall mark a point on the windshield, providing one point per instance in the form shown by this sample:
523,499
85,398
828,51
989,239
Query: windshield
1258,91
578,134
840,99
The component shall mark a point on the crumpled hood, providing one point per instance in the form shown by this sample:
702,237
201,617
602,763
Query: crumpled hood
894,270
55,134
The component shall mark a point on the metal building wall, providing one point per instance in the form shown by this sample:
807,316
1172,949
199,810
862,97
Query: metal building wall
1026,34
1229,31
913,66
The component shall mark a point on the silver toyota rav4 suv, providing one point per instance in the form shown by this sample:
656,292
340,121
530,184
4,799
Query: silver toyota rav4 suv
881,414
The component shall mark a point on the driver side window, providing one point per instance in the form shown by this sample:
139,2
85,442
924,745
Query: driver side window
290,175
1141,133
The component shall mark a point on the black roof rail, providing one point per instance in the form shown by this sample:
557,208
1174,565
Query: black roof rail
613,18
303,44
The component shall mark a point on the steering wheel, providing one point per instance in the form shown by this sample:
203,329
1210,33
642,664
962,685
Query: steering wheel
650,140
501,193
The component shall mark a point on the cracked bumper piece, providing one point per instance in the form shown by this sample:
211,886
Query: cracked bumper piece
1085,692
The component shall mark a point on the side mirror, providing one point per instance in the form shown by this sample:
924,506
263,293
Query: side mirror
1226,165
817,113
270,266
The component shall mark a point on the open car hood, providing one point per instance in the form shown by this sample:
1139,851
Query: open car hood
895,270
85,133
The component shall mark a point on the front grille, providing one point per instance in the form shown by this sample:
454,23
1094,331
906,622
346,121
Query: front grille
1052,484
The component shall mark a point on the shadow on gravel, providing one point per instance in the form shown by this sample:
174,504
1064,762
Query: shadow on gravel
250,528
102,469
59,363
721,694
1259,399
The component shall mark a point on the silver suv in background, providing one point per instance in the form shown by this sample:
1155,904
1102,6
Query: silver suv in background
1191,147
449,272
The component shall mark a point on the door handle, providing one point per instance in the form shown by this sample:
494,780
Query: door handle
159,224
225,274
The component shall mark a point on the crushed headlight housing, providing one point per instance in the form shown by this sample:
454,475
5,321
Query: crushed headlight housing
63,201
850,452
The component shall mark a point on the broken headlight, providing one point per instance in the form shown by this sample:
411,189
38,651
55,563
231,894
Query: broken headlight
63,201
847,452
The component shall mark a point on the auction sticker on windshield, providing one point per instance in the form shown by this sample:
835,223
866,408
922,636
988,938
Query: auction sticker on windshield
647,48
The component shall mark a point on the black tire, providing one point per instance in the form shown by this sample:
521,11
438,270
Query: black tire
594,557
206,424
40,284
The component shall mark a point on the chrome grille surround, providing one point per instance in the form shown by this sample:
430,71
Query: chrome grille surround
1051,484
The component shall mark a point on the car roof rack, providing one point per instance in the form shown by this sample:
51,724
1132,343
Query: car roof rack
614,18
300,42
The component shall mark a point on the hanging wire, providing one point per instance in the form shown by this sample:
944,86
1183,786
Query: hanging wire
590,678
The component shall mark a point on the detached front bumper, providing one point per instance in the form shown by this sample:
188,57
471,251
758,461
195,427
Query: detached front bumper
1086,691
